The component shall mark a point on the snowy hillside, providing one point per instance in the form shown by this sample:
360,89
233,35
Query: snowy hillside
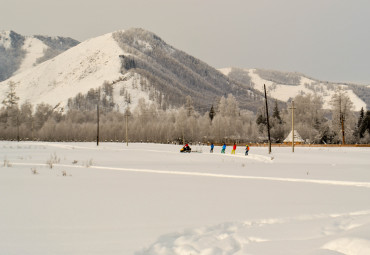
138,64
19,53
74,71
34,49
85,66
149,199
285,86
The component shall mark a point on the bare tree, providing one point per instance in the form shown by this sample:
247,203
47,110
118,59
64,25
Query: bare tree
343,118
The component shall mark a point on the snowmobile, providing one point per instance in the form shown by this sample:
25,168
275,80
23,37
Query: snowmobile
185,149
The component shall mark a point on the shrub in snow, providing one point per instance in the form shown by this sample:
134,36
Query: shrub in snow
89,163
7,163
53,160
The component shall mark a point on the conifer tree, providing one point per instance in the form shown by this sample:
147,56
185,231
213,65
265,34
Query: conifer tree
212,113
365,125
342,115
359,132
11,99
189,106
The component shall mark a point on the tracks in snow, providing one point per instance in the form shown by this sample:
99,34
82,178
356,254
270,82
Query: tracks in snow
225,176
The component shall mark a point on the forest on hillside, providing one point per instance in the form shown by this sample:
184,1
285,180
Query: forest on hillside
11,59
177,74
148,122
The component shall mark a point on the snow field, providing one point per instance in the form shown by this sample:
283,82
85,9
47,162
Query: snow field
150,199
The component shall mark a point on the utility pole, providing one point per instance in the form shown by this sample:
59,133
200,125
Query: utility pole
126,116
18,127
32,128
97,118
97,124
341,118
267,118
292,108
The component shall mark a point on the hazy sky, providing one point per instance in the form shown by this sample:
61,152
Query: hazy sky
325,39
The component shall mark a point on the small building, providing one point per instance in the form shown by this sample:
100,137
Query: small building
297,138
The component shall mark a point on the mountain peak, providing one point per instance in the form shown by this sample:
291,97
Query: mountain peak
18,52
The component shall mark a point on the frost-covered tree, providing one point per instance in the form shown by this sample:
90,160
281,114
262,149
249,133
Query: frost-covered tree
276,113
343,119
278,129
11,100
227,123
232,107
308,116
261,121
42,114
181,126
10,113
26,120
189,106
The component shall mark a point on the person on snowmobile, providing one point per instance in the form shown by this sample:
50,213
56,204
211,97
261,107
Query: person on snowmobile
186,148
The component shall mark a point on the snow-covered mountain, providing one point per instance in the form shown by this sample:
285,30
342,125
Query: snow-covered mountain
285,86
137,64
19,53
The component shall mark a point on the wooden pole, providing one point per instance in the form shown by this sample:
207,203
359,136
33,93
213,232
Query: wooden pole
292,125
32,129
18,138
97,124
97,118
267,118
342,123
126,115
341,118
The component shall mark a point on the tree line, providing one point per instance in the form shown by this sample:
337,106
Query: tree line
149,122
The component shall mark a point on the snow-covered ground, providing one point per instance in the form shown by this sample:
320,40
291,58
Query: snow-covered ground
150,199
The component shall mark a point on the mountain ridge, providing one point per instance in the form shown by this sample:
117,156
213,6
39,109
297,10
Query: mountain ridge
137,63
19,53
285,86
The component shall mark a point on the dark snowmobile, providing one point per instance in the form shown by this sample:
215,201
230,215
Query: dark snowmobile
186,148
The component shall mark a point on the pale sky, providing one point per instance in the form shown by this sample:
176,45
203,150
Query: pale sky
325,39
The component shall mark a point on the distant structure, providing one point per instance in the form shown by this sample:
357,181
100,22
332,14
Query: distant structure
297,138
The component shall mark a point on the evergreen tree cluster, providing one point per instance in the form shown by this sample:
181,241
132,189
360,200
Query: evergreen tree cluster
280,77
363,125
56,45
